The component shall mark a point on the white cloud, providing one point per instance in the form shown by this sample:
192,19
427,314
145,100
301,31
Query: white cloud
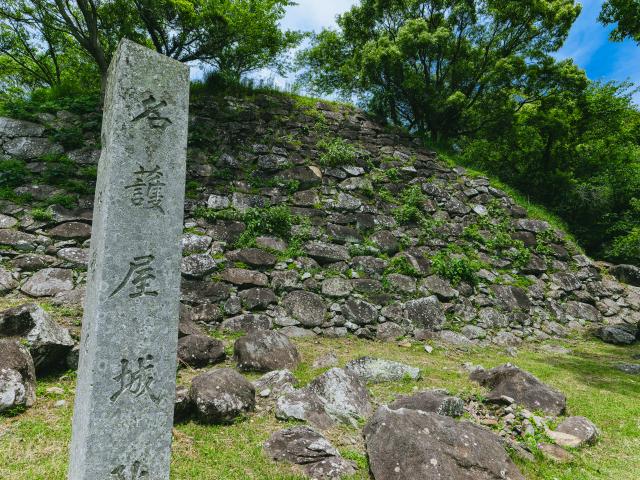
313,15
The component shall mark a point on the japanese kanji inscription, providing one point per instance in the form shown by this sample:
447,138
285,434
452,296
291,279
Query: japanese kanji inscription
125,393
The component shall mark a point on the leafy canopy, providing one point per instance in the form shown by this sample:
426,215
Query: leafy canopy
441,66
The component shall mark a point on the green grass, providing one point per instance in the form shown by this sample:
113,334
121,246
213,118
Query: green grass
33,444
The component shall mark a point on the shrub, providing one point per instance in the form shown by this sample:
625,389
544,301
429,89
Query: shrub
336,152
400,264
412,200
41,214
69,138
456,267
13,173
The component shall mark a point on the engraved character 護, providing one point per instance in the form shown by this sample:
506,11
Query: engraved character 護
147,190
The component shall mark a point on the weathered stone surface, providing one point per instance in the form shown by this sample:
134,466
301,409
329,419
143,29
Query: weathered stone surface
430,401
17,375
389,332
7,282
265,350
253,257
622,334
30,147
18,240
6,221
306,447
276,382
241,277
425,313
336,287
511,298
326,252
31,262
131,317
10,128
71,230
192,243
222,395
626,274
359,312
404,443
306,307
334,396
630,368
385,241
48,342
583,431
77,256
197,292
257,298
198,265
183,406
510,381
377,370
582,311
48,282
200,350
440,287
246,323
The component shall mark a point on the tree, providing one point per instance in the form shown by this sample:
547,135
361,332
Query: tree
624,13
444,67
236,36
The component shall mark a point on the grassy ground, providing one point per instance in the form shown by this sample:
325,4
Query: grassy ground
33,444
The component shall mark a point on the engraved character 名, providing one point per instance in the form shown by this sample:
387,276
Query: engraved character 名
137,382
136,472
151,111
147,190
139,275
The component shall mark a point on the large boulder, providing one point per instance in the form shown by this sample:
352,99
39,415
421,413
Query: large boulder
200,350
246,323
425,313
334,396
48,342
309,449
220,396
198,265
626,274
430,401
359,311
265,350
48,282
17,375
621,334
306,307
325,253
521,386
578,431
377,370
7,281
406,444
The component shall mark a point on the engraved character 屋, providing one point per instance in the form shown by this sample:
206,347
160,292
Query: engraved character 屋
140,275
147,190
137,382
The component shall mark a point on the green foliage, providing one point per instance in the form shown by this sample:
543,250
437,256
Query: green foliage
400,264
13,173
626,15
456,266
440,67
41,214
410,210
336,152
70,137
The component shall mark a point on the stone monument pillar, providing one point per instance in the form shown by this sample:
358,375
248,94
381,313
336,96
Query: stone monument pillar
123,413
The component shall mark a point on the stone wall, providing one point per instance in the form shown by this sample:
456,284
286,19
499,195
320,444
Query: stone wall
356,259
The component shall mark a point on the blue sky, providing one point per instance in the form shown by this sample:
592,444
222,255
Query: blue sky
588,42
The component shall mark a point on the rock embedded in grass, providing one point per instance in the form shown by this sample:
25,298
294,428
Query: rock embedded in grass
407,443
378,370
48,342
431,401
509,381
221,395
200,350
265,350
581,428
17,375
309,449
621,334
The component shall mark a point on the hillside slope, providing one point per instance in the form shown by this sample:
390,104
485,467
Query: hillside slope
312,218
